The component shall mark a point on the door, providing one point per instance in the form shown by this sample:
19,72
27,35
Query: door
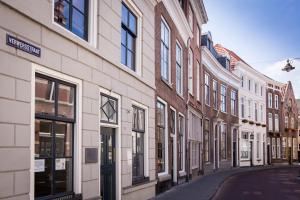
234,154
108,164
216,161
172,159
251,152
269,154
264,155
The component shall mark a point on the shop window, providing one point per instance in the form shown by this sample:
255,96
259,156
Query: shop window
54,137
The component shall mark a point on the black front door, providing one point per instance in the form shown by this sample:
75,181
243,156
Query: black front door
234,154
108,164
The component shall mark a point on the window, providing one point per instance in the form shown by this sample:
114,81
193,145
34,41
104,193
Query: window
223,98
191,17
181,145
249,85
255,112
207,89
273,148
198,82
73,15
276,123
161,142
194,154
262,113
206,140
179,81
172,122
195,137
261,90
278,149
215,94
258,146
243,107
54,135
270,100
270,122
128,39
255,88
286,122
109,109
245,146
223,141
284,145
242,80
249,108
292,123
190,68
165,53
138,131
276,101
233,102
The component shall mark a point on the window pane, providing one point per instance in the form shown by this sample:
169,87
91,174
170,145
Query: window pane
132,22
135,119
124,15
141,120
43,179
44,96
78,23
63,175
130,42
79,4
123,55
123,37
63,139
108,109
43,138
66,101
61,13
130,59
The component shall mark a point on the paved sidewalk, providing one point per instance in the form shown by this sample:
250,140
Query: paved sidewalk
205,187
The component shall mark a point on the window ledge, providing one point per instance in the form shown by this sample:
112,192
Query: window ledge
180,95
164,177
166,82
141,186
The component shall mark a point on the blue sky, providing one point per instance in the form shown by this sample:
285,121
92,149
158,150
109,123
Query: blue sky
262,32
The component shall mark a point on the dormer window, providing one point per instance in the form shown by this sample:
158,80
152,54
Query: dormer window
227,63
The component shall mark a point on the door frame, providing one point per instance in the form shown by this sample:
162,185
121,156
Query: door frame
117,140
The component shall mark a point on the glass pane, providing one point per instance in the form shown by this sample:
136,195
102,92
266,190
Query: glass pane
43,178
61,13
130,42
79,4
110,150
63,175
141,120
66,101
166,39
129,59
44,96
63,139
123,55
132,23
135,119
124,15
43,138
123,37
78,23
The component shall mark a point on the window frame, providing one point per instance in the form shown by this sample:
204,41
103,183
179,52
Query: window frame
117,108
198,81
233,102
168,78
207,88
215,94
270,100
190,71
276,103
276,122
270,121
180,92
223,103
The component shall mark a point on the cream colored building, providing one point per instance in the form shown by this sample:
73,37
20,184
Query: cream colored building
76,117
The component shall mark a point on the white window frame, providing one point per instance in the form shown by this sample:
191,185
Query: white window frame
278,148
139,35
270,100
198,81
221,102
146,137
181,69
207,78
276,101
166,172
190,71
276,122
182,172
215,91
170,47
77,175
92,24
270,118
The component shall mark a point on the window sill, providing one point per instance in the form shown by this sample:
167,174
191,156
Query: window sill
180,95
166,82
164,176
140,181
